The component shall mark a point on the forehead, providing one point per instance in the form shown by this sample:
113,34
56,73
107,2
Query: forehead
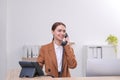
60,27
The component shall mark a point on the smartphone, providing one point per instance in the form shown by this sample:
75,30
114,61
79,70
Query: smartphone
64,42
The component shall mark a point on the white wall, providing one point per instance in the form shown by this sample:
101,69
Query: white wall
3,52
88,21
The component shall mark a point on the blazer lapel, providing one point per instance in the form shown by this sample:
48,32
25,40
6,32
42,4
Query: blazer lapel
52,54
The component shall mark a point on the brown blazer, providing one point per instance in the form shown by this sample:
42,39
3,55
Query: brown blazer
47,56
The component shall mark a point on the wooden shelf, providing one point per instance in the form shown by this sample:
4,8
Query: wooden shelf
29,59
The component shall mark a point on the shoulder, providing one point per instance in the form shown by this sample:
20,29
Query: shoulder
47,45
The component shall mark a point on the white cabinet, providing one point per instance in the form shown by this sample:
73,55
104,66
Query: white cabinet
103,67
100,60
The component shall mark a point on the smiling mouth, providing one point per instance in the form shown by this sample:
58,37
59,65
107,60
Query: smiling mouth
61,37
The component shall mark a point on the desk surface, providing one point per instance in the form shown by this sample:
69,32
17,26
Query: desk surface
14,75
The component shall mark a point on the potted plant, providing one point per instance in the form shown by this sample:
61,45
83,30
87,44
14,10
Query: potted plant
113,40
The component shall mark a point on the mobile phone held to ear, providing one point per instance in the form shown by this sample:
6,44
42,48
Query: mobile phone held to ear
64,42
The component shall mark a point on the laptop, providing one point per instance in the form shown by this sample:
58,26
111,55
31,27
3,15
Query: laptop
30,69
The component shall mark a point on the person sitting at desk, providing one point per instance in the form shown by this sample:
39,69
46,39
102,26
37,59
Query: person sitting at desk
57,57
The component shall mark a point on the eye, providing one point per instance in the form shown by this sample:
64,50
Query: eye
59,30
64,31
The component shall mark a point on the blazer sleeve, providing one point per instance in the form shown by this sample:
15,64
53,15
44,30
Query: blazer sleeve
41,57
71,60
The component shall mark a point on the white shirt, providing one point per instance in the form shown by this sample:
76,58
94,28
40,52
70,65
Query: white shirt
59,52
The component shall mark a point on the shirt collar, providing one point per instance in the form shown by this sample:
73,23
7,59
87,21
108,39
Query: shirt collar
56,46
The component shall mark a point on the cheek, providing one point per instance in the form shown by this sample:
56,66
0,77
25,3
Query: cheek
55,34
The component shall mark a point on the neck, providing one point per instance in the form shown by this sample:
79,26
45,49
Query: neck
57,42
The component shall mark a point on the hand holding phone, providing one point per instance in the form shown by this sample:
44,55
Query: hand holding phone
66,41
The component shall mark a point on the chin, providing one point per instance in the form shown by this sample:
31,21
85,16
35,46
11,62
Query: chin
60,39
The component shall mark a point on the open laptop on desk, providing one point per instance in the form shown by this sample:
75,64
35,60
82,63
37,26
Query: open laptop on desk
103,67
30,69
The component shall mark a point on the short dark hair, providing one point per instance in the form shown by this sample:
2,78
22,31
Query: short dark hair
54,26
